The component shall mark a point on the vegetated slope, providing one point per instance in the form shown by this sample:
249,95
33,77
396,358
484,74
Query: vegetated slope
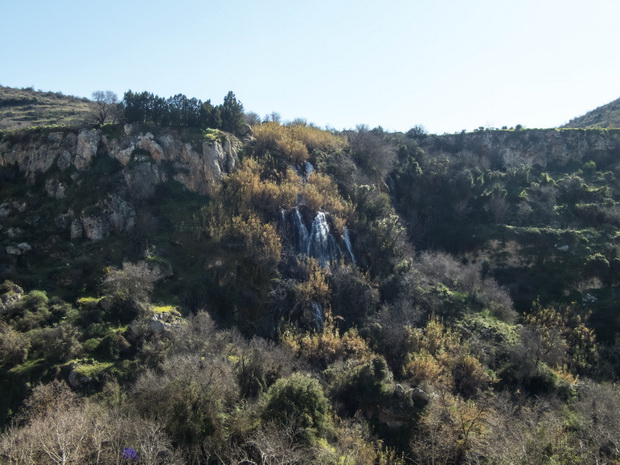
536,208
21,108
605,116
306,296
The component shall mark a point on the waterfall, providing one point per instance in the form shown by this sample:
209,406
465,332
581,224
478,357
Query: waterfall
347,241
317,315
321,243
317,241
308,169
303,237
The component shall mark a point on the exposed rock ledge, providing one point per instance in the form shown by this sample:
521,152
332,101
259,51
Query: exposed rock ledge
528,147
146,161
197,168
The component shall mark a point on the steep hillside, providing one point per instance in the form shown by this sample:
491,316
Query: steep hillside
65,190
180,295
20,108
536,208
605,116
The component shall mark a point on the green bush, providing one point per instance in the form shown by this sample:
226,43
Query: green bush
299,398
13,347
354,385
58,344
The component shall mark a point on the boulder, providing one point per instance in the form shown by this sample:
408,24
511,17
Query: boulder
55,189
14,232
148,143
199,171
94,227
158,326
124,155
76,379
13,250
5,210
55,138
24,247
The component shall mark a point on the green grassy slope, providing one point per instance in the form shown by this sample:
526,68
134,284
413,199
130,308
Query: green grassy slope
21,108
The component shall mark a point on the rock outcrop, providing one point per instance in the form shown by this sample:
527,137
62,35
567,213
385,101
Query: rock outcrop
146,161
528,147
196,167
86,150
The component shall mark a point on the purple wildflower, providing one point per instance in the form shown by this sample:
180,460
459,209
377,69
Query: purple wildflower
129,453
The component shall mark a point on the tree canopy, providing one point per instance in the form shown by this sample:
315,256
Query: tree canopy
179,110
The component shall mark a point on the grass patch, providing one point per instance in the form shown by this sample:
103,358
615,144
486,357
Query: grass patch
27,367
89,301
213,135
23,108
91,367
159,309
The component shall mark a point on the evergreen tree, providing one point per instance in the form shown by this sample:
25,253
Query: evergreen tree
232,114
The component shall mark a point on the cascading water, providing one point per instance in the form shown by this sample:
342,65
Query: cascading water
317,315
303,237
283,216
317,242
347,241
322,244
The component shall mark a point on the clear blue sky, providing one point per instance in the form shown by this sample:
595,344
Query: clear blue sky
445,64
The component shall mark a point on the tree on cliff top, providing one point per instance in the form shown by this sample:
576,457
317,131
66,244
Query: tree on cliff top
106,106
232,114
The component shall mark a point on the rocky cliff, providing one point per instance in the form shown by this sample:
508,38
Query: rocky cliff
139,161
542,147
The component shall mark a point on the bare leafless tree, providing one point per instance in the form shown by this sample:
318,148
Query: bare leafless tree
106,106
277,443
135,281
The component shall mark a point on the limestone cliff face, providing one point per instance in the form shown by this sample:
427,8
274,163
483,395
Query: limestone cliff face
142,154
530,147
62,159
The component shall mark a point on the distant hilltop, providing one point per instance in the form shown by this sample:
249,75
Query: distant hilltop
26,107
605,116
21,108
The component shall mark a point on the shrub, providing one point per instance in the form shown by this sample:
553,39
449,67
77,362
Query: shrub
134,282
321,193
299,397
13,347
356,384
261,241
468,279
31,312
450,431
188,395
296,141
57,344
260,365
353,296
327,346
423,367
